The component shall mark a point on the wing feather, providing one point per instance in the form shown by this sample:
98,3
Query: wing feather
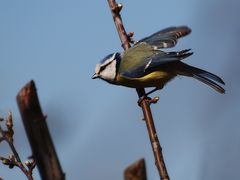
156,60
166,38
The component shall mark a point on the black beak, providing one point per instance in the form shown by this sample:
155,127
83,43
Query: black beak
95,76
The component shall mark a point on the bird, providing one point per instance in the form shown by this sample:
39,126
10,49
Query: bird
145,64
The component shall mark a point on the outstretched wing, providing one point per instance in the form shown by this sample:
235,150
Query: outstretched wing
141,63
166,38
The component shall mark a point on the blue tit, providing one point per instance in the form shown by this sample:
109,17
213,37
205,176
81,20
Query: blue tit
145,65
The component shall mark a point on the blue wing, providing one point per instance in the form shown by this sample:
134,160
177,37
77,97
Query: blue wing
166,38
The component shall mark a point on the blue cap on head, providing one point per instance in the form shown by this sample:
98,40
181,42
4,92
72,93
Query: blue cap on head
106,58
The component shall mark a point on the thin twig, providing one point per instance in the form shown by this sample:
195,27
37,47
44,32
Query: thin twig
14,159
38,135
144,103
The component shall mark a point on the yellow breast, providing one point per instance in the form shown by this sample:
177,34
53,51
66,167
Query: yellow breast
154,79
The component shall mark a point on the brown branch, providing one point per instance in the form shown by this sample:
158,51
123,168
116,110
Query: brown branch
144,103
38,134
136,171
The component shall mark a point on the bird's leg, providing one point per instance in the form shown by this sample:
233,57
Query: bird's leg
152,91
145,96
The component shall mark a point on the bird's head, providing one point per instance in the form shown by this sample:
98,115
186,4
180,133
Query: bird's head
106,69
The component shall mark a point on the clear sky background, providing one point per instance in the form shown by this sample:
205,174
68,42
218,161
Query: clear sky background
96,127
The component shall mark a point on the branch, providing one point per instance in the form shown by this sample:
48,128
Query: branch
145,102
115,9
38,134
14,159
136,171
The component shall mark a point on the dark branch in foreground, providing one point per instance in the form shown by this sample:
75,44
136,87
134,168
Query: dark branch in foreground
38,134
136,171
145,102
14,159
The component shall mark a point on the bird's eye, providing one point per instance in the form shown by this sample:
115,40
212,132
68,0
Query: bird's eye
102,68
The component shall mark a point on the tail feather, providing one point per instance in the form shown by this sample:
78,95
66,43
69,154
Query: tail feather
206,77
207,74
209,83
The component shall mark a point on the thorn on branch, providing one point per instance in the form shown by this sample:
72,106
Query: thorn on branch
117,8
130,37
154,100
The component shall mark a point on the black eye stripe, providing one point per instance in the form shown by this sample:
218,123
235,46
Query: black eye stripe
116,57
104,67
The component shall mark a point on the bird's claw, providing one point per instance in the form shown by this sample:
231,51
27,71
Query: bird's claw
148,99
144,97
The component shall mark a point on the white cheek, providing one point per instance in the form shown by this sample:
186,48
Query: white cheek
109,72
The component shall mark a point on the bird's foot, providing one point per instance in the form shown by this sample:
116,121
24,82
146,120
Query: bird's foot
148,99
144,97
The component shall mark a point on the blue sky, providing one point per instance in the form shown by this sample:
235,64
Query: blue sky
96,127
